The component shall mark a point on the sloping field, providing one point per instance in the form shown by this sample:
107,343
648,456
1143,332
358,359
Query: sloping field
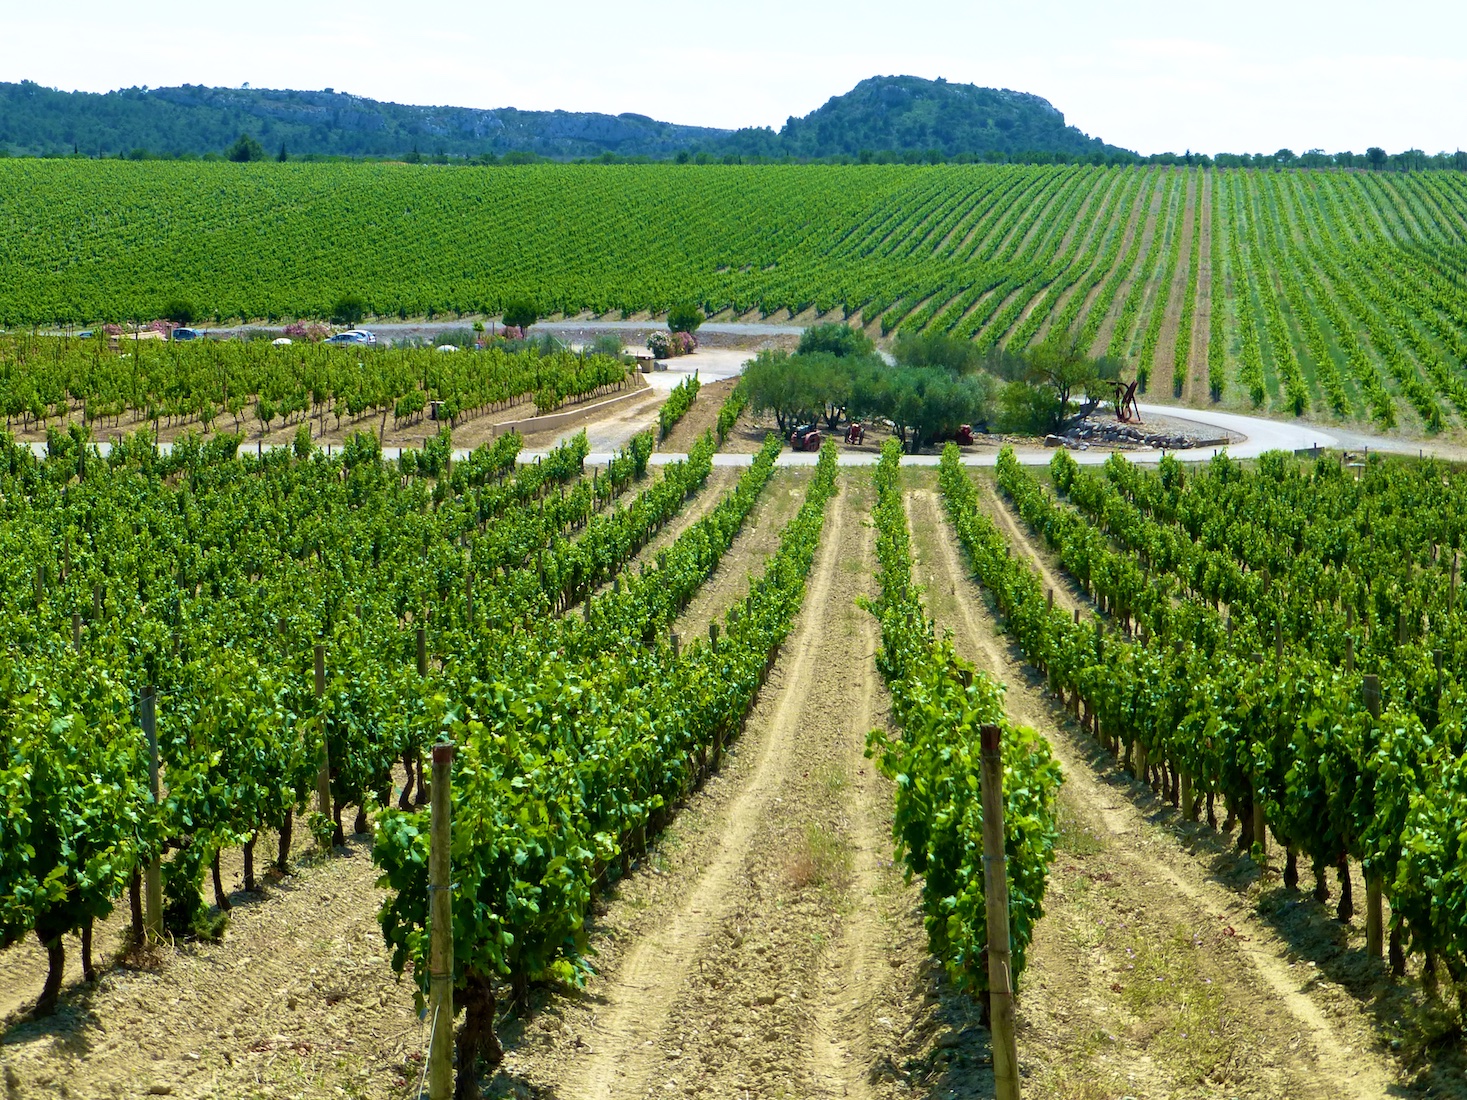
1332,294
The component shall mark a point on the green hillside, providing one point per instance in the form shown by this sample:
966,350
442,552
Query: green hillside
1322,292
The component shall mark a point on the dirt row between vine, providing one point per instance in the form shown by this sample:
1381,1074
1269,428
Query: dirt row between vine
766,946
701,417
757,541
720,480
1147,975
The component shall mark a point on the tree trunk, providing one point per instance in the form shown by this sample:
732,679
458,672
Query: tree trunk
1291,868
55,969
404,800
1245,823
282,856
477,1042
221,898
361,825
135,903
1321,888
1346,908
89,972
338,838
249,864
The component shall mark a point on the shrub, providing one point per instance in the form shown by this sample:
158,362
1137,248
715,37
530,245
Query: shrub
349,309
835,338
312,332
520,314
684,317
245,149
668,345
181,312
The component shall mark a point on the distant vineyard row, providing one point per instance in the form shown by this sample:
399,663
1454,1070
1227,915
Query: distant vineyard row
1324,293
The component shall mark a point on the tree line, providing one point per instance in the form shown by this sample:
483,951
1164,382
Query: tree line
934,385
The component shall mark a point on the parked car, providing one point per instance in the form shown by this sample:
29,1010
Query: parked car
282,341
446,347
187,334
84,334
353,336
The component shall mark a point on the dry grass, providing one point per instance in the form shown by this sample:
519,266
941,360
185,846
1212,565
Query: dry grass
822,858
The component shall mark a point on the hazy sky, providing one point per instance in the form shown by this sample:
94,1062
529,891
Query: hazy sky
1247,75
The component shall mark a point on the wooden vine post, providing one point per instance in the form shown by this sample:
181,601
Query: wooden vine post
153,874
440,932
1374,915
996,891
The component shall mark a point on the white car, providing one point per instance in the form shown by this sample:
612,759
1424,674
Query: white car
353,336
282,341
446,347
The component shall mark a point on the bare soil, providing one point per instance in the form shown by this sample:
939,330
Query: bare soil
701,417
745,559
298,999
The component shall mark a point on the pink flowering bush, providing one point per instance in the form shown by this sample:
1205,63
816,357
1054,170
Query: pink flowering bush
668,345
311,331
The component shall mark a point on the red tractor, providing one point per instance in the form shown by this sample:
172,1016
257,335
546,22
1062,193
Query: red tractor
806,438
856,434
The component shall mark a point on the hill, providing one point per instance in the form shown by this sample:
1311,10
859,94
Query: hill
194,120
909,113
883,115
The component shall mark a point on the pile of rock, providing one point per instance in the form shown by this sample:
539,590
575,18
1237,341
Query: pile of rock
1087,434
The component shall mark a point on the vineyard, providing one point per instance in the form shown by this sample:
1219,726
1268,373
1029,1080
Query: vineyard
1331,294
239,386
223,667
717,826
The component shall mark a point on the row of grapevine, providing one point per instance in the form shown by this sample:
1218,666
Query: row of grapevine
565,766
1325,704
1182,350
208,579
203,382
677,404
1146,357
939,704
